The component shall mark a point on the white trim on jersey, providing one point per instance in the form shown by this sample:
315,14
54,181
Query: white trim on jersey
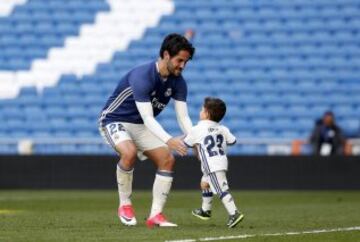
117,102
120,98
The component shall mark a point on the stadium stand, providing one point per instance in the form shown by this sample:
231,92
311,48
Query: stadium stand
278,64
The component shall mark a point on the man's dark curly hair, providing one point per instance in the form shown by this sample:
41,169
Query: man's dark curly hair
174,43
215,107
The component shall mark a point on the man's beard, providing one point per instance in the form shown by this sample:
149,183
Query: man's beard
171,69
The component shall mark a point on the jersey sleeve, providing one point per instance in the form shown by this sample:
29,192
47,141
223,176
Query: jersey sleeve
141,86
190,138
146,112
180,92
230,138
182,116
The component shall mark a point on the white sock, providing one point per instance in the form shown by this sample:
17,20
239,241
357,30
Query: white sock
207,197
124,180
229,203
161,189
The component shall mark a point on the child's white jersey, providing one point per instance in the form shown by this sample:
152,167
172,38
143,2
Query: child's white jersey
212,140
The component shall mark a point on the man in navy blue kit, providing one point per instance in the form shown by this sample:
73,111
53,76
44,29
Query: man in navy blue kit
127,123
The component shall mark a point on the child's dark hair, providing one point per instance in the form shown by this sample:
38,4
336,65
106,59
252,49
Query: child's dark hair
174,43
215,107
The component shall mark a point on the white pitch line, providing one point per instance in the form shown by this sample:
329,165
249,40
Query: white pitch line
244,236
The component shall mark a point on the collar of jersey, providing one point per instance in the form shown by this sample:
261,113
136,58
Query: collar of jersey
158,72
208,122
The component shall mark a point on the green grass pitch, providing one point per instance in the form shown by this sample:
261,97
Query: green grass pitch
91,216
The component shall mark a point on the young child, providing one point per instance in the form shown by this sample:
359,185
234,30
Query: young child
211,139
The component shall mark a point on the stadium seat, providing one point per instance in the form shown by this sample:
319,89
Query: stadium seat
278,65
45,19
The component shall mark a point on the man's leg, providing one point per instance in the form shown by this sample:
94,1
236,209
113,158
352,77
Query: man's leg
124,170
164,161
117,136
124,176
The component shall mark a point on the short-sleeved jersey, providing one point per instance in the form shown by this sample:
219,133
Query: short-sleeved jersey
212,139
142,84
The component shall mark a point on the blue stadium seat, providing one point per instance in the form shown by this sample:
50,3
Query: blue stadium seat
9,149
44,19
250,149
278,65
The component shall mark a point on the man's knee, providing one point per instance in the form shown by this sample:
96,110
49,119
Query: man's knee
168,163
128,157
162,158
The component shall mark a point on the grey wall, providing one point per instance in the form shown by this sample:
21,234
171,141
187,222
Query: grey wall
259,172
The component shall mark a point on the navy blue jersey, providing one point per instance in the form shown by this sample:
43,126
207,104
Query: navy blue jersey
142,84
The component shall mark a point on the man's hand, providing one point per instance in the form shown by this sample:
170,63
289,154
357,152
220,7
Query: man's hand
178,145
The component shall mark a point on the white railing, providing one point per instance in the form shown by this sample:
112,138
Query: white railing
275,146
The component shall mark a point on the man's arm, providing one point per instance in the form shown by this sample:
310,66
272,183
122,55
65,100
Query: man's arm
146,112
182,116
147,115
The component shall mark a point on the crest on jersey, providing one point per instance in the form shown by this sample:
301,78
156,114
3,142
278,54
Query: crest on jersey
153,93
116,137
168,92
212,129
